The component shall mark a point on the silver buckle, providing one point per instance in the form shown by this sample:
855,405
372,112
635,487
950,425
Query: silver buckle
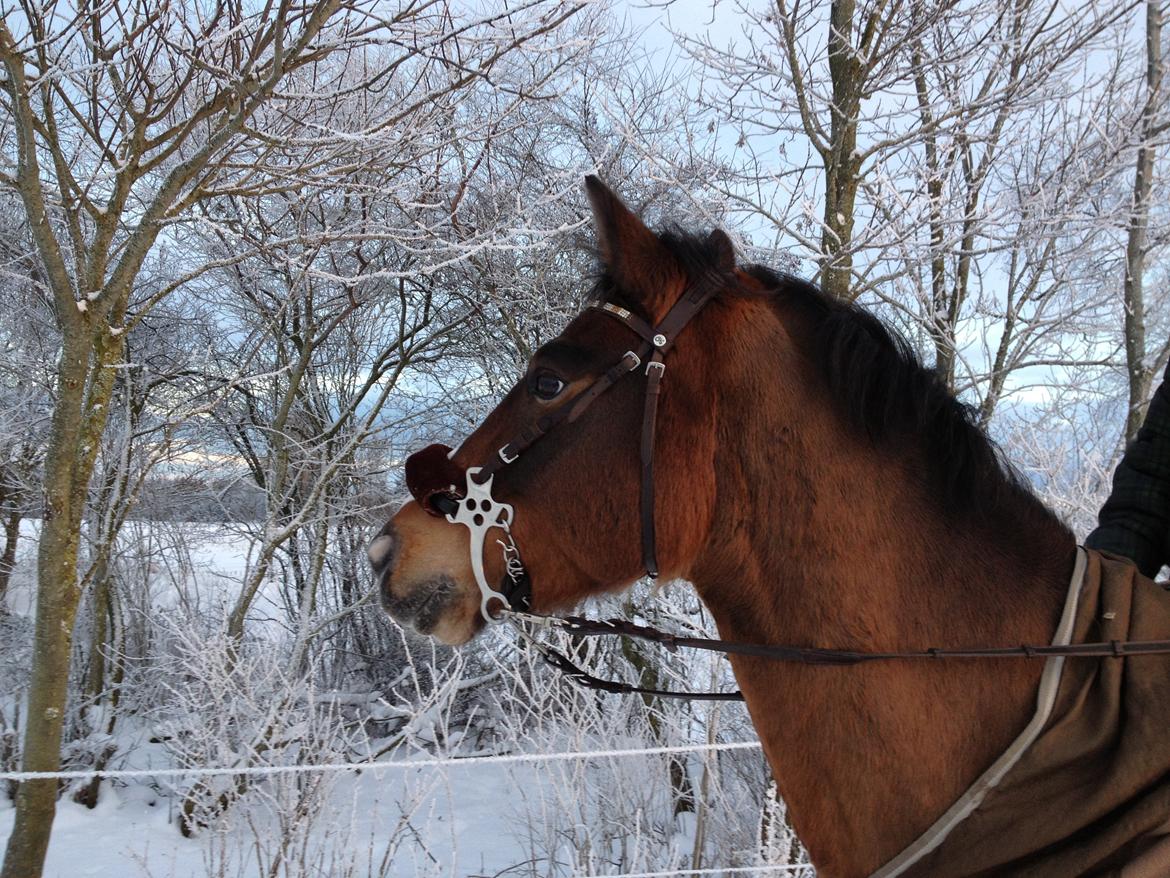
637,359
534,618
503,453
614,309
656,364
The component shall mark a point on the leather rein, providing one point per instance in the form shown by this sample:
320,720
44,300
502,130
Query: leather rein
806,655
480,512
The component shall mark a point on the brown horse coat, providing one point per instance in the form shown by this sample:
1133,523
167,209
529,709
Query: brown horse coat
1085,789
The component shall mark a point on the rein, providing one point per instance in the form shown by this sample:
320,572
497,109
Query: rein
806,655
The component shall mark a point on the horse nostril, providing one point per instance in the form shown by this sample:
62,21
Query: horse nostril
383,549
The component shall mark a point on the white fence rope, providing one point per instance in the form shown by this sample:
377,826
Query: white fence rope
725,870
404,765
470,761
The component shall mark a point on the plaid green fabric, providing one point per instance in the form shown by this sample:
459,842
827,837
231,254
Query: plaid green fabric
1135,520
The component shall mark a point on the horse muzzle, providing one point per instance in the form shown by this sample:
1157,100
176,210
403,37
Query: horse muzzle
423,576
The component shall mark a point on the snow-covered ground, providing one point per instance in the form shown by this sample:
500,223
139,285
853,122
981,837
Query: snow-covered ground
462,823
609,815
395,821
211,554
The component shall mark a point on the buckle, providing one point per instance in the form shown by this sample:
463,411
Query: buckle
637,360
615,310
537,619
504,456
655,364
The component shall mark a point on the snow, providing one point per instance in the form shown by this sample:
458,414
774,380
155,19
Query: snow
467,818
450,824
457,828
217,555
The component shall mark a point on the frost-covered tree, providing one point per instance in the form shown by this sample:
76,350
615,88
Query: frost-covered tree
118,120
1145,360
825,101
967,165
26,346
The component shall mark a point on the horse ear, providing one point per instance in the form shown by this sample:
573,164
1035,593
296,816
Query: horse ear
634,257
723,249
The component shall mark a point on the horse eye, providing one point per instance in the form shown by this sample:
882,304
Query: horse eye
547,385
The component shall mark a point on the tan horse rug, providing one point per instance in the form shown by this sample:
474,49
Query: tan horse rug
1085,788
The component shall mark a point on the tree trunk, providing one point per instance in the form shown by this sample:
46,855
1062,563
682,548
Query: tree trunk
69,463
943,339
680,782
36,801
8,558
704,804
1140,374
841,162
95,677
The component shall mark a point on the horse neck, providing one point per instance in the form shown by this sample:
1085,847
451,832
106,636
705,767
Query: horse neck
820,539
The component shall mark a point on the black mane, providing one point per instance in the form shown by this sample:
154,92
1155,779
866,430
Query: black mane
881,389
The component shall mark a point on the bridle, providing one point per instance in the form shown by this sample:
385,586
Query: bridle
477,510
480,512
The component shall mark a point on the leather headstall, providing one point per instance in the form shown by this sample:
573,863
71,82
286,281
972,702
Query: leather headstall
430,471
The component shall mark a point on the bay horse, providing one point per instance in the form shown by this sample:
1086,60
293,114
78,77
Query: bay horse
818,486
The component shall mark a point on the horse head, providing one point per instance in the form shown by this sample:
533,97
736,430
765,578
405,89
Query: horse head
571,498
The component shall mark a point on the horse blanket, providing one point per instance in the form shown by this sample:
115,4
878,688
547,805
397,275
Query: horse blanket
1085,789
